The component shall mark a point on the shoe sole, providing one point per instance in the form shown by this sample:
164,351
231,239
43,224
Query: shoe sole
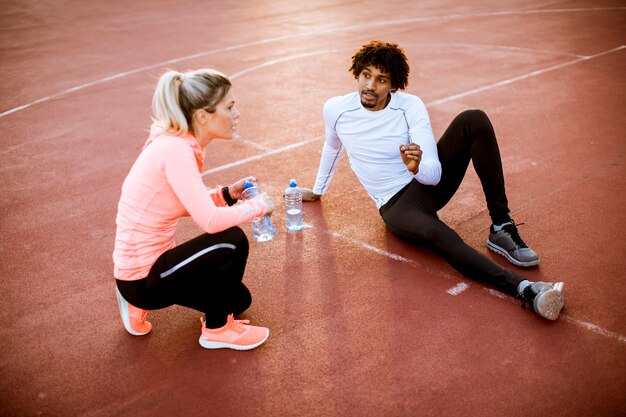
549,303
497,249
222,345
123,305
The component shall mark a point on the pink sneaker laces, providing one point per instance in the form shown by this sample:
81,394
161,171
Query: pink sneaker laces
144,315
231,323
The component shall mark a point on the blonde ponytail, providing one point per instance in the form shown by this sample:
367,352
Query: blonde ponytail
179,95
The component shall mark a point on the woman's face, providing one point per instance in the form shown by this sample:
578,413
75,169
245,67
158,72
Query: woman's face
221,123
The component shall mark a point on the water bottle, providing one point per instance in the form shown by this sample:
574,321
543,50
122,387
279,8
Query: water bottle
293,206
263,229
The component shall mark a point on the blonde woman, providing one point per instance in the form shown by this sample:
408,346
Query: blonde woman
190,110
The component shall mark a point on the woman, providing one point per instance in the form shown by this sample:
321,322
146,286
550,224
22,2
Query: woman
190,110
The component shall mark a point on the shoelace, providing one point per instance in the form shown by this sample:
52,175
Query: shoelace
526,299
144,315
520,296
512,231
237,325
231,323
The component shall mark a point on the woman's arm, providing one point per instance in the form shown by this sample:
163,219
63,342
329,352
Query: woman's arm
183,176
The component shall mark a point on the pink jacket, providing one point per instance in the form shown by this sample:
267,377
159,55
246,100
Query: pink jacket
164,184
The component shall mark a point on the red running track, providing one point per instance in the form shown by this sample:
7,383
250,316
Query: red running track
362,324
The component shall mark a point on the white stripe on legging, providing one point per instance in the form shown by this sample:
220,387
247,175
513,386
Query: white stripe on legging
196,256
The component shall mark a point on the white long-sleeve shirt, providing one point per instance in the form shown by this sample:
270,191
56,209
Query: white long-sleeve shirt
372,140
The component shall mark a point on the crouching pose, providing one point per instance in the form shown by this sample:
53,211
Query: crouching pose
165,183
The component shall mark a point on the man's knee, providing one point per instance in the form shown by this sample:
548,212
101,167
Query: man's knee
422,234
475,117
431,234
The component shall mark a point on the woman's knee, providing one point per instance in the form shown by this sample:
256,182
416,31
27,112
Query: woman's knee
242,299
237,238
232,244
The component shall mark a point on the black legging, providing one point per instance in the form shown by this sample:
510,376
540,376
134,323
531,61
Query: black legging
204,273
412,213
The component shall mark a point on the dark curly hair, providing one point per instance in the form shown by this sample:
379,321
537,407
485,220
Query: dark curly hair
388,57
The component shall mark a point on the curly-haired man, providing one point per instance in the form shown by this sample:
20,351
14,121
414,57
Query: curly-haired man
392,150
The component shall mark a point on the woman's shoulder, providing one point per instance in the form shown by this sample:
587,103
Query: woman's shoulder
168,150
170,141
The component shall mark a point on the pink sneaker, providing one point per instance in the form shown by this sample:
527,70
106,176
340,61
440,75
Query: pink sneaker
235,334
134,318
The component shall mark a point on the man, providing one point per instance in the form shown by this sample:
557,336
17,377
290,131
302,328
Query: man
389,141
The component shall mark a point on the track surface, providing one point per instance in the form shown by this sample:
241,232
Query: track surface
362,324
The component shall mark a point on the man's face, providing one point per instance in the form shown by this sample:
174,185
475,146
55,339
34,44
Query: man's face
374,86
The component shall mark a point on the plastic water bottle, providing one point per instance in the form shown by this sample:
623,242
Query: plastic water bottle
263,229
293,206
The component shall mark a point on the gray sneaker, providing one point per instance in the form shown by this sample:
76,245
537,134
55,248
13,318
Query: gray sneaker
508,243
547,298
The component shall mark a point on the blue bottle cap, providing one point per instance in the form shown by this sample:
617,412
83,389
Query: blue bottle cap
292,183
247,184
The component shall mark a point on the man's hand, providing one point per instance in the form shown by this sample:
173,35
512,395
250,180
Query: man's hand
411,156
308,195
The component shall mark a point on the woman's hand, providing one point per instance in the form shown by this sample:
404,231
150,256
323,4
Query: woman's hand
236,189
268,200
411,156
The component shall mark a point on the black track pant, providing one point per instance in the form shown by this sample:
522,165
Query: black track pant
204,273
411,214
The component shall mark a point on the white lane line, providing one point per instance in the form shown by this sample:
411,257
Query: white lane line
500,295
491,46
255,145
364,245
594,328
485,14
428,104
585,325
391,255
458,289
259,156
521,77
461,286
299,35
281,60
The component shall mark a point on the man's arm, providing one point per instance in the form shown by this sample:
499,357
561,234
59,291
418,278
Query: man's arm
420,156
331,154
